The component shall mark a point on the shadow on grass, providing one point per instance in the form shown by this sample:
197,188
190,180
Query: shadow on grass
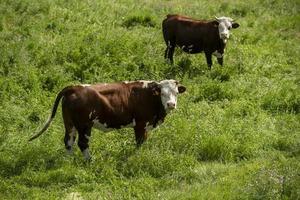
183,68
35,159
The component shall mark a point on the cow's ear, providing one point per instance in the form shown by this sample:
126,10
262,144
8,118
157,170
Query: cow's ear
235,25
215,23
155,88
156,91
181,89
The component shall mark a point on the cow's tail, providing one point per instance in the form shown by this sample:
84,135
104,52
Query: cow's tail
51,117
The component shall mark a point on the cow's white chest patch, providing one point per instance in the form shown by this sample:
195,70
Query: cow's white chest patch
149,127
91,114
130,125
217,54
100,126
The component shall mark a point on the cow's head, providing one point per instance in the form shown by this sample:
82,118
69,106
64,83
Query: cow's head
168,91
224,25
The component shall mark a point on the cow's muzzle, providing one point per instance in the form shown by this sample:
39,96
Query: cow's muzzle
171,105
224,36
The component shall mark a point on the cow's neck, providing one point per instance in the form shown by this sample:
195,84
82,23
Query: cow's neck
160,114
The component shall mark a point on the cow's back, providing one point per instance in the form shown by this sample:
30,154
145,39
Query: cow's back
115,93
190,34
116,104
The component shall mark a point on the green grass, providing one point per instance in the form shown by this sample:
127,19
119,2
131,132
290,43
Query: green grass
235,134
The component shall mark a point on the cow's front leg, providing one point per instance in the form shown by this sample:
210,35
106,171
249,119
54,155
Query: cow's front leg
219,56
220,61
208,59
83,141
171,53
140,133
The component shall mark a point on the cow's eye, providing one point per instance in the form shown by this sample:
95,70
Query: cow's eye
229,27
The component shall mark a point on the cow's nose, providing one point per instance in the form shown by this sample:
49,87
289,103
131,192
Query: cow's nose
225,35
171,105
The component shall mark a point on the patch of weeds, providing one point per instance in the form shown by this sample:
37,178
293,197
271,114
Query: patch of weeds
135,20
171,71
51,26
49,83
275,182
216,148
220,74
288,145
286,99
240,12
155,164
241,108
34,117
184,68
213,92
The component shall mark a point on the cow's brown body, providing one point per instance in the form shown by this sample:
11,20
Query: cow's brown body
193,36
109,106
114,105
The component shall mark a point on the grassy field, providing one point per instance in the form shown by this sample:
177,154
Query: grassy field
235,134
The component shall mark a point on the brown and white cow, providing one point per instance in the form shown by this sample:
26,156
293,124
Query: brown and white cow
139,104
195,36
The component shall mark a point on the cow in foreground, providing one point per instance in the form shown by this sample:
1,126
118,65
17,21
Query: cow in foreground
195,36
142,105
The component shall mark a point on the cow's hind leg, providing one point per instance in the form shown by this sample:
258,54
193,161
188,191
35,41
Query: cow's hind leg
208,59
70,131
83,141
70,136
167,49
171,53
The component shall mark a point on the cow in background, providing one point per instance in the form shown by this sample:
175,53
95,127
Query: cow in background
195,36
142,105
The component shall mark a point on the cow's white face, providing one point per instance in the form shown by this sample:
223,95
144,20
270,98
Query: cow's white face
225,24
169,89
